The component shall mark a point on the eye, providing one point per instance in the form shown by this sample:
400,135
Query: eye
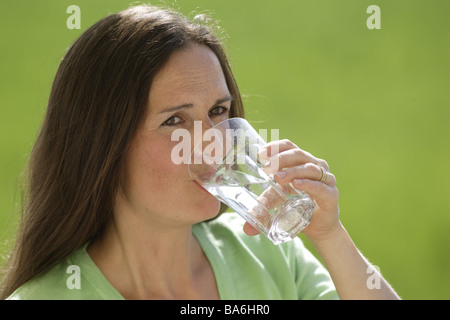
217,111
172,121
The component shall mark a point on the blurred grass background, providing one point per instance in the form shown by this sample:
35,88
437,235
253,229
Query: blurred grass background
373,103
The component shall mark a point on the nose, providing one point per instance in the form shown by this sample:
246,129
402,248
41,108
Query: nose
203,136
207,123
206,150
200,127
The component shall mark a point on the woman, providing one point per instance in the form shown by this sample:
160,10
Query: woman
108,215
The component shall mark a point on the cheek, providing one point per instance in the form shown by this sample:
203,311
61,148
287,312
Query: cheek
157,185
149,169
171,188
161,174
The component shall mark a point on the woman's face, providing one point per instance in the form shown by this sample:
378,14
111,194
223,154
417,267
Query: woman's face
190,87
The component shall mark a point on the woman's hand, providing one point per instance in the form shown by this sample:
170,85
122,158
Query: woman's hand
347,266
290,164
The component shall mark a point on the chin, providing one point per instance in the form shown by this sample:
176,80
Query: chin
205,205
207,209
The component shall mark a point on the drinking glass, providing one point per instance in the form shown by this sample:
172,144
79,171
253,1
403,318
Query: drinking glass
228,166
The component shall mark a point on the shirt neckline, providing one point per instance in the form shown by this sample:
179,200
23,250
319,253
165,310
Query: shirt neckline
95,276
211,248
106,290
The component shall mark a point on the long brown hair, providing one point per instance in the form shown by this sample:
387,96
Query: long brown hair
98,98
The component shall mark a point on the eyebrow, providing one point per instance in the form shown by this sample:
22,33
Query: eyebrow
190,105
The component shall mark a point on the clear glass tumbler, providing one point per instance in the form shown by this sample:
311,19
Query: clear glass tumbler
229,168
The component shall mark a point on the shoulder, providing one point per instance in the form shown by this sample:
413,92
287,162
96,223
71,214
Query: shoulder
58,283
41,287
74,278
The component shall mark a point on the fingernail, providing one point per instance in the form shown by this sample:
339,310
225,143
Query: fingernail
298,181
281,174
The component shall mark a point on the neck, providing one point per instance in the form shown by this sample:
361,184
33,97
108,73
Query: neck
150,261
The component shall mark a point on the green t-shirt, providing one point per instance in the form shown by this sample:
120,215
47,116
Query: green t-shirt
245,267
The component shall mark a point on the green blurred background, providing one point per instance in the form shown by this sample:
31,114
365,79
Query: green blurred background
373,103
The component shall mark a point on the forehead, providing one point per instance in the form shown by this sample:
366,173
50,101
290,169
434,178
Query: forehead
189,74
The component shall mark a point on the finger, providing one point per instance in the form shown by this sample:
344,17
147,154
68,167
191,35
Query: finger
250,230
289,158
284,153
286,159
274,147
323,194
308,171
